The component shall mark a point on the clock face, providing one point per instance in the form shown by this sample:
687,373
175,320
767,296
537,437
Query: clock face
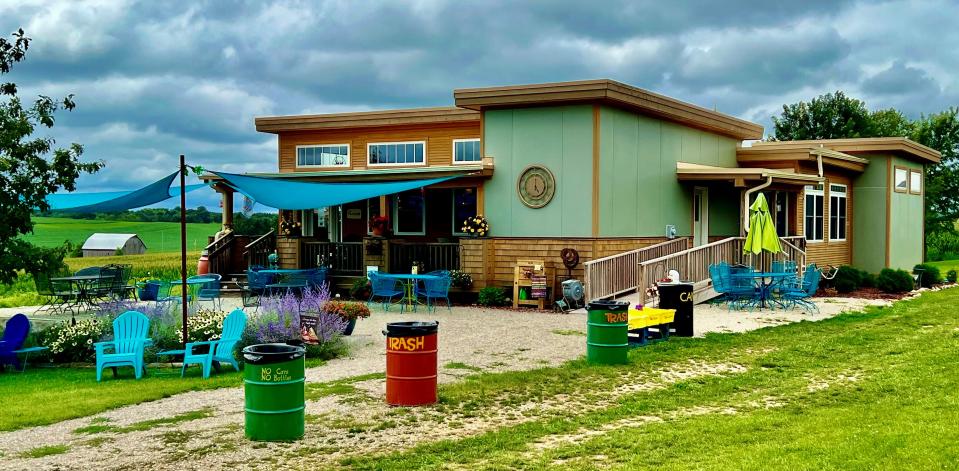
536,186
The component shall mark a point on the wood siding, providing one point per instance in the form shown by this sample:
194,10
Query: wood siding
490,261
828,252
438,138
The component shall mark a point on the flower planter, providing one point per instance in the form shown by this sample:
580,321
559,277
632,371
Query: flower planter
349,327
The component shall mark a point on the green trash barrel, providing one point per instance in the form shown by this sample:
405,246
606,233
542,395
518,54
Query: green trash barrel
274,386
607,332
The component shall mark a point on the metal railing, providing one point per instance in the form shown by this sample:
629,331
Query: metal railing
433,256
258,251
616,274
342,258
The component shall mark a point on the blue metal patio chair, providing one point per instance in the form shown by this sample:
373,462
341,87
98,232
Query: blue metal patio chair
316,278
255,287
384,288
209,291
434,289
220,350
803,293
131,332
736,295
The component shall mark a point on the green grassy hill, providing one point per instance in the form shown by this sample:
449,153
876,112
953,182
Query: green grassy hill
158,236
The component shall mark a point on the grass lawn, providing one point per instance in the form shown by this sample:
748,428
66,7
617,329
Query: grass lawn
158,236
866,390
945,266
49,395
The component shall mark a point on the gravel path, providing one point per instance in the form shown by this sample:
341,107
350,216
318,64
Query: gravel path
470,340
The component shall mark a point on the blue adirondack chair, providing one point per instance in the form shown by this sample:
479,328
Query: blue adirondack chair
14,334
220,350
131,332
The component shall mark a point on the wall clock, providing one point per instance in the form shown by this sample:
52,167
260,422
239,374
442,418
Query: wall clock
536,186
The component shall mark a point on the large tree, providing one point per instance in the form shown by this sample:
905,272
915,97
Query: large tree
30,167
834,115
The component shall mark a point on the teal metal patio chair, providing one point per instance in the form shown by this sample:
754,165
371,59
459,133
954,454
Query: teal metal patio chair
209,291
802,294
385,288
436,289
220,350
131,332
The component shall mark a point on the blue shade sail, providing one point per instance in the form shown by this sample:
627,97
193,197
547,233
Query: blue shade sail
283,193
111,201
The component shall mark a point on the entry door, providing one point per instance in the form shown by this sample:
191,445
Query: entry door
700,216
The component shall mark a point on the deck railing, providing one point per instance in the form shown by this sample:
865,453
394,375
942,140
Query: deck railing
342,258
258,251
693,264
433,256
616,274
220,254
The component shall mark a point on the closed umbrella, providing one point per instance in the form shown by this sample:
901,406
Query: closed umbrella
762,230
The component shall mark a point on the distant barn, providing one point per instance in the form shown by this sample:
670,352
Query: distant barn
103,244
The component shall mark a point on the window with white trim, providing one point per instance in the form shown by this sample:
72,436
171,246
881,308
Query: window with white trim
409,213
837,212
901,182
325,155
464,207
396,153
466,151
915,182
813,213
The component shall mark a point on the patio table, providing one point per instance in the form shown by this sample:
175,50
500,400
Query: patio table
84,293
191,285
764,280
280,285
409,282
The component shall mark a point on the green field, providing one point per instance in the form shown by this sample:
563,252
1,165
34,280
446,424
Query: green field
158,236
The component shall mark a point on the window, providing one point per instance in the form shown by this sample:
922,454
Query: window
837,212
466,151
409,213
327,155
915,182
901,182
397,153
372,210
813,213
464,206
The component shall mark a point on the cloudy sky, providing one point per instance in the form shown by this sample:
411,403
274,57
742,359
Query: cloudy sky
154,79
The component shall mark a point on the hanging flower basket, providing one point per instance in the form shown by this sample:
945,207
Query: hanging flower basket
476,226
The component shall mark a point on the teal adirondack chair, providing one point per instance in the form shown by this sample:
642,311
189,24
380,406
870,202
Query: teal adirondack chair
220,350
131,332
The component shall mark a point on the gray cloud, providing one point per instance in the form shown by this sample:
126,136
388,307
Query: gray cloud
155,79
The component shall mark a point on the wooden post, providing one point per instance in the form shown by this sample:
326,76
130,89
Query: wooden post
183,290
227,208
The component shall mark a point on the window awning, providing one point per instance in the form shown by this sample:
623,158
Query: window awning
284,193
111,201
740,175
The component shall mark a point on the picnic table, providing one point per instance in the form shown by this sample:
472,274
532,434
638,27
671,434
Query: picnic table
409,281
764,280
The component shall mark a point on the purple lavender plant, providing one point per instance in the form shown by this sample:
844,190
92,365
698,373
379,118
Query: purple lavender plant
278,319
329,326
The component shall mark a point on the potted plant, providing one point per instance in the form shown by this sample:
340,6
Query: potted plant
348,310
360,290
290,228
379,225
475,226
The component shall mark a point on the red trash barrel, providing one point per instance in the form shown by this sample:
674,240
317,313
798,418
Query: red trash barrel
411,363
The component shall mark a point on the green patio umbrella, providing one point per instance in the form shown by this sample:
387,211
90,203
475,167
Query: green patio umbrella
762,230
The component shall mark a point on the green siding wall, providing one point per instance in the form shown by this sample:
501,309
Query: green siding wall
561,138
906,216
869,216
639,192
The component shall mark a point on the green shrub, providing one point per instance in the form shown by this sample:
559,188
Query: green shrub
360,289
847,279
459,279
930,274
894,281
72,343
868,279
951,276
492,296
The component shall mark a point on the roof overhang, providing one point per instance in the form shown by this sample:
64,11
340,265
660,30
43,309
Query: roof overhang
384,174
612,93
741,176
900,146
766,155
416,116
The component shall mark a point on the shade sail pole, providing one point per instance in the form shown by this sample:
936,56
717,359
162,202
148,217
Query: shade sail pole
183,286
